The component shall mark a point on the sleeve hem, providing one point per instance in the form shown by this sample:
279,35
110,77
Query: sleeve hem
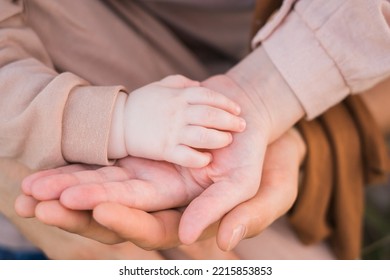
86,124
293,57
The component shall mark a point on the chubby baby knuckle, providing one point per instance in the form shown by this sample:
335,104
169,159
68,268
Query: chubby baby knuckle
209,95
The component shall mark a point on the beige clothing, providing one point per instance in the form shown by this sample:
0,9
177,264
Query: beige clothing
327,49
50,114
50,49
39,93
62,64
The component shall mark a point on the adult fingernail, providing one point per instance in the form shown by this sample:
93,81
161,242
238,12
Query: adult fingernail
237,236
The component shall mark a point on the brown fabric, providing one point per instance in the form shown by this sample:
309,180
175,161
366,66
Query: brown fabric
312,204
346,151
374,155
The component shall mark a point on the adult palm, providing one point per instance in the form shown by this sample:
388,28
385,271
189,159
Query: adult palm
232,178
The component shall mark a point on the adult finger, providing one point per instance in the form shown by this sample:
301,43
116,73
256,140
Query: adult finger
79,222
277,193
141,194
25,206
150,231
221,197
29,180
50,185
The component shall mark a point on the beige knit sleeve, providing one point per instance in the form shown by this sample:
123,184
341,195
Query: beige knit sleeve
328,49
47,118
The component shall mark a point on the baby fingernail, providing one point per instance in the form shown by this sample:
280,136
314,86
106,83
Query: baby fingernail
237,236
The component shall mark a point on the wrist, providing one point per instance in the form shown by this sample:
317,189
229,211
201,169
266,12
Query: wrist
116,143
262,83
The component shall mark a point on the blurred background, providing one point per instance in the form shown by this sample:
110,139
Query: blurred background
376,243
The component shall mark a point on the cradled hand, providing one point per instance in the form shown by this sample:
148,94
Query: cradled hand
172,119
59,197
210,192
270,108
235,172
134,182
232,178
113,222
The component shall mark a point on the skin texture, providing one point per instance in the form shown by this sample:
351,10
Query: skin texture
231,179
171,120
269,108
112,222
57,243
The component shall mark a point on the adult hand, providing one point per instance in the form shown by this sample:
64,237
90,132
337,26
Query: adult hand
56,243
234,175
111,222
232,178
270,108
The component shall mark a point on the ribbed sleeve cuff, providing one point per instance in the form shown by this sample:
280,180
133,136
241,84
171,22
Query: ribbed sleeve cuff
86,124
317,84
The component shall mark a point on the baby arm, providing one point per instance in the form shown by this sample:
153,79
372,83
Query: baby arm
173,120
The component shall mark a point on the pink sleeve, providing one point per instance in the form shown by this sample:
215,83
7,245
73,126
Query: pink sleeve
47,118
327,49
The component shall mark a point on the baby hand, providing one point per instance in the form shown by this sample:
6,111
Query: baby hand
172,119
